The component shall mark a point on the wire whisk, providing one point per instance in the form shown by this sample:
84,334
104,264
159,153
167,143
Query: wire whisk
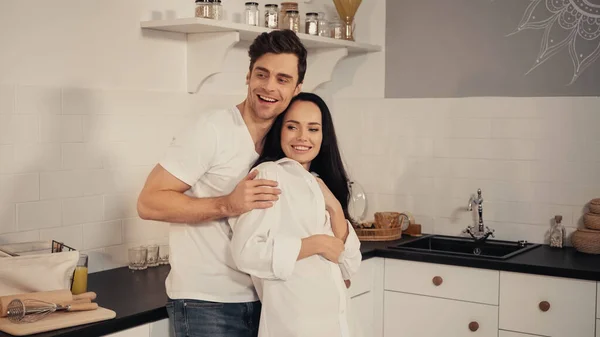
29,310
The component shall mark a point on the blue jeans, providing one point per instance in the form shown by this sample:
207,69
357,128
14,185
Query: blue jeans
193,318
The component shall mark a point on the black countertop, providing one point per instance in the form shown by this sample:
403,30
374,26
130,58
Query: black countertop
138,297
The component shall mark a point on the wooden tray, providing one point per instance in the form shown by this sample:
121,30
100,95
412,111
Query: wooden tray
57,320
378,234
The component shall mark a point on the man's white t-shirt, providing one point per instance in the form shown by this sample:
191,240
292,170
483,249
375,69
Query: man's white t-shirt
212,156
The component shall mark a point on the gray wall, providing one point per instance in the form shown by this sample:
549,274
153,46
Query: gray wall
458,48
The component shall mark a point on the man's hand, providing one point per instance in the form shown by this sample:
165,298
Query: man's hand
250,194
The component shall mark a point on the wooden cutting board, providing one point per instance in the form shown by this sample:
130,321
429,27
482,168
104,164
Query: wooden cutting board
56,320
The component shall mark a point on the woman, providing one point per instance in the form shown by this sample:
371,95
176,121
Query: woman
300,251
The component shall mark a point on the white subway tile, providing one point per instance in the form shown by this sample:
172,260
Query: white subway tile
518,128
19,188
36,157
61,128
19,129
7,159
102,234
38,100
82,156
96,259
83,210
136,230
132,154
464,148
19,237
516,149
61,184
465,128
7,99
8,221
119,206
129,180
37,215
71,236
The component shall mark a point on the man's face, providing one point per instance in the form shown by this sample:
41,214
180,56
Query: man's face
272,83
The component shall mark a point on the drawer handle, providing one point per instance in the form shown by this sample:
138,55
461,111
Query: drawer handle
544,306
437,280
473,326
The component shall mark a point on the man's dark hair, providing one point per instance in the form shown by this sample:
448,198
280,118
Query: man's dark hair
279,42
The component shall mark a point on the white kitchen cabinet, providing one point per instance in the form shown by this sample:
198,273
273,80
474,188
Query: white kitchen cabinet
503,333
361,314
138,331
362,282
598,328
155,329
598,299
366,305
452,282
548,306
161,328
409,315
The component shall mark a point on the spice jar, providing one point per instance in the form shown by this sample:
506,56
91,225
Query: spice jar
286,6
216,10
251,13
311,24
292,21
323,25
271,16
203,8
336,29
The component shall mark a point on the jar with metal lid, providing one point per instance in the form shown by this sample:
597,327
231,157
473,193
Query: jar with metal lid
286,6
336,29
251,14
271,16
311,24
323,25
216,10
203,8
292,21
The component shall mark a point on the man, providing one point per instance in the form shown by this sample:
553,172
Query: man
203,179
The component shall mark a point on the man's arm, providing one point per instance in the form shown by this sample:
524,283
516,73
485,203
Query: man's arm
163,199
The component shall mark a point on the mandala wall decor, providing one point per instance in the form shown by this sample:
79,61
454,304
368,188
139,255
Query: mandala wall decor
573,25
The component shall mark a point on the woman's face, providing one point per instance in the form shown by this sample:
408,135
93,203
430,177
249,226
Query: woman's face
302,132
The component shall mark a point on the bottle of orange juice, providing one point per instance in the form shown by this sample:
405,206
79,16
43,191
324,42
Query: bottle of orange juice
80,276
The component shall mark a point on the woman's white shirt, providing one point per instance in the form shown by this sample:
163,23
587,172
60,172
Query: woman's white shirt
299,298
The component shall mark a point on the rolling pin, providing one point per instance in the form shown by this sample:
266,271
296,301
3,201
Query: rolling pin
55,296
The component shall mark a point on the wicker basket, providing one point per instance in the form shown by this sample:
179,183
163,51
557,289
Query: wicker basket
586,241
594,206
386,220
378,234
591,221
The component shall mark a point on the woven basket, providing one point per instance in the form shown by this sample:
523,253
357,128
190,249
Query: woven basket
586,241
386,220
378,234
594,206
591,221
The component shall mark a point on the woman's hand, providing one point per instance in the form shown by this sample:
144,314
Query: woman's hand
331,202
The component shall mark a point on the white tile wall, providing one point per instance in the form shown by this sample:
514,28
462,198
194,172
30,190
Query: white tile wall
73,160
533,158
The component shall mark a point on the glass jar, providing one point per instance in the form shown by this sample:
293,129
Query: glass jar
251,13
216,10
323,25
336,29
286,6
271,16
203,9
311,24
292,21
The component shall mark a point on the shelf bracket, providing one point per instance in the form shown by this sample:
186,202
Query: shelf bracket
206,53
320,66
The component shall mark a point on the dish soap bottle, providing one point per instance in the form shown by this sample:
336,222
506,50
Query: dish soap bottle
557,233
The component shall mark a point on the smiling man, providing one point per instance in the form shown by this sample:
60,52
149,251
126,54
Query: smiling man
203,179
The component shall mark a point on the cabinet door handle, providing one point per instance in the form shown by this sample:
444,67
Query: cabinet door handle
437,280
473,326
544,306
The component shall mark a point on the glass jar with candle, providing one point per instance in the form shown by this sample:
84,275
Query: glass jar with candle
203,8
286,6
292,21
271,16
311,24
251,14
216,10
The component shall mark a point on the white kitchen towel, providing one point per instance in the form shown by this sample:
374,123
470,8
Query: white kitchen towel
32,273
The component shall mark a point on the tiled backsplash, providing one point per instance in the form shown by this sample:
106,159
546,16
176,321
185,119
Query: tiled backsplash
73,160
533,158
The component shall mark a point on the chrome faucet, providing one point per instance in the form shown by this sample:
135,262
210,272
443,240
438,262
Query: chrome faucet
481,233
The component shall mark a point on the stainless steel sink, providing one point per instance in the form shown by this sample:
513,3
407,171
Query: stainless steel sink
461,246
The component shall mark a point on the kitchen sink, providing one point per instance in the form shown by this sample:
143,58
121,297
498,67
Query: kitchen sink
463,246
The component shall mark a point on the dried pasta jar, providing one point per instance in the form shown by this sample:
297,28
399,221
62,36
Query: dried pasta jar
203,9
271,16
251,14
286,6
311,24
292,21
216,10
